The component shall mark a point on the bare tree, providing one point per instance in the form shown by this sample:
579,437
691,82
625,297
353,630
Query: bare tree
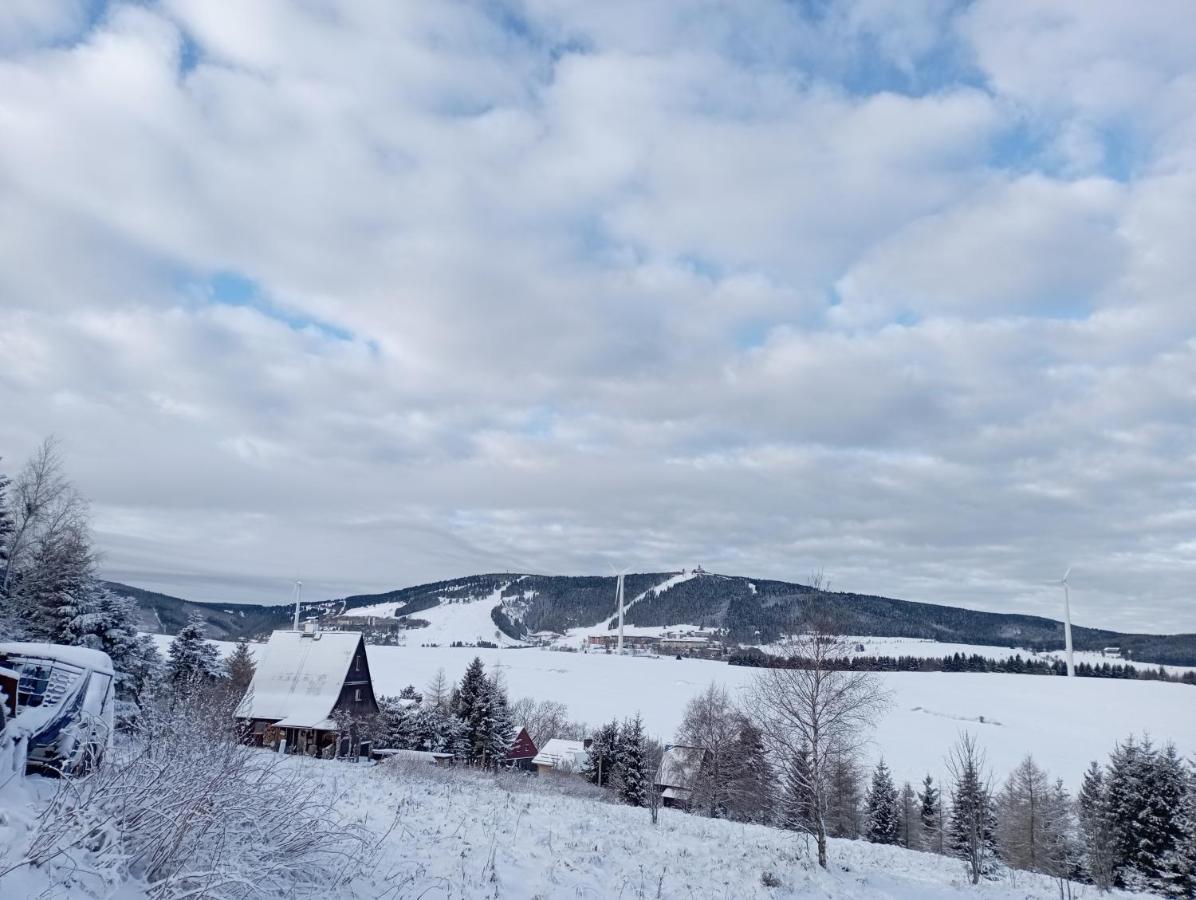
971,825
37,500
543,719
712,723
811,714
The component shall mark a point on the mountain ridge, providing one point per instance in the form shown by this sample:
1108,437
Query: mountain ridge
748,610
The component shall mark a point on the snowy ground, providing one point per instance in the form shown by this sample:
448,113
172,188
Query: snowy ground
1064,723
459,835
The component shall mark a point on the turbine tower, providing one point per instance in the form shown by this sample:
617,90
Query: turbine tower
1071,662
619,595
298,592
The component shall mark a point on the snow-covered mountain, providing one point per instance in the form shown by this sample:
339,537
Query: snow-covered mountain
748,610
505,608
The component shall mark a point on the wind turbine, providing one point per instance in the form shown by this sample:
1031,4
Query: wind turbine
298,592
1071,662
619,597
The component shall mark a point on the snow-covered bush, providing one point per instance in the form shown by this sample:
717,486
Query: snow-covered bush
189,811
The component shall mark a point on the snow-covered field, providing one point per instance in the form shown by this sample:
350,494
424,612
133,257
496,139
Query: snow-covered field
1064,723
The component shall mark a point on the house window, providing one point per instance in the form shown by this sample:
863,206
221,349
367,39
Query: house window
357,663
357,695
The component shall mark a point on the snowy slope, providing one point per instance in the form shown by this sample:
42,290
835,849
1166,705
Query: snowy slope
468,621
461,835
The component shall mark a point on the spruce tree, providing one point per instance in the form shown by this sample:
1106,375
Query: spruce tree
1179,864
470,703
797,796
191,659
882,823
498,728
1096,828
971,825
930,812
631,764
750,787
910,835
239,668
600,758
843,798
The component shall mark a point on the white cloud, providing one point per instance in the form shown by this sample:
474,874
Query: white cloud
577,268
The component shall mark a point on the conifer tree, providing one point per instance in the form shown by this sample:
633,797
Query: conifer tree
930,813
239,668
498,728
910,830
471,704
750,788
843,796
1096,828
1179,864
191,659
970,828
600,758
797,800
882,819
630,770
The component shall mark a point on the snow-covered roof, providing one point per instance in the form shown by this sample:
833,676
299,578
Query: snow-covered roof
679,765
560,752
83,657
414,755
299,677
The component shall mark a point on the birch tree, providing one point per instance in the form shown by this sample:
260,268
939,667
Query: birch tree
811,714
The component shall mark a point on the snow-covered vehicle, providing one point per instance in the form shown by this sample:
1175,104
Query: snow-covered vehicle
61,719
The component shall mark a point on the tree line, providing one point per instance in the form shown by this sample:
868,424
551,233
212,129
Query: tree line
958,662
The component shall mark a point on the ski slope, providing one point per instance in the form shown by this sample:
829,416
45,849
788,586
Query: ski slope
468,621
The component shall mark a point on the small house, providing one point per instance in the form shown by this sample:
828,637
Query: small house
523,751
680,767
561,757
304,681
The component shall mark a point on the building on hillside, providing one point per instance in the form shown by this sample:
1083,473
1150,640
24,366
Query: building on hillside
1111,651
523,751
630,641
561,757
684,645
350,621
304,682
679,768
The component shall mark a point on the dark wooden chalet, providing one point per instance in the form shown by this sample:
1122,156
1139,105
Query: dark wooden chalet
522,752
306,685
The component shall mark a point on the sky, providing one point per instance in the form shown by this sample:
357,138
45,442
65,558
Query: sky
372,293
